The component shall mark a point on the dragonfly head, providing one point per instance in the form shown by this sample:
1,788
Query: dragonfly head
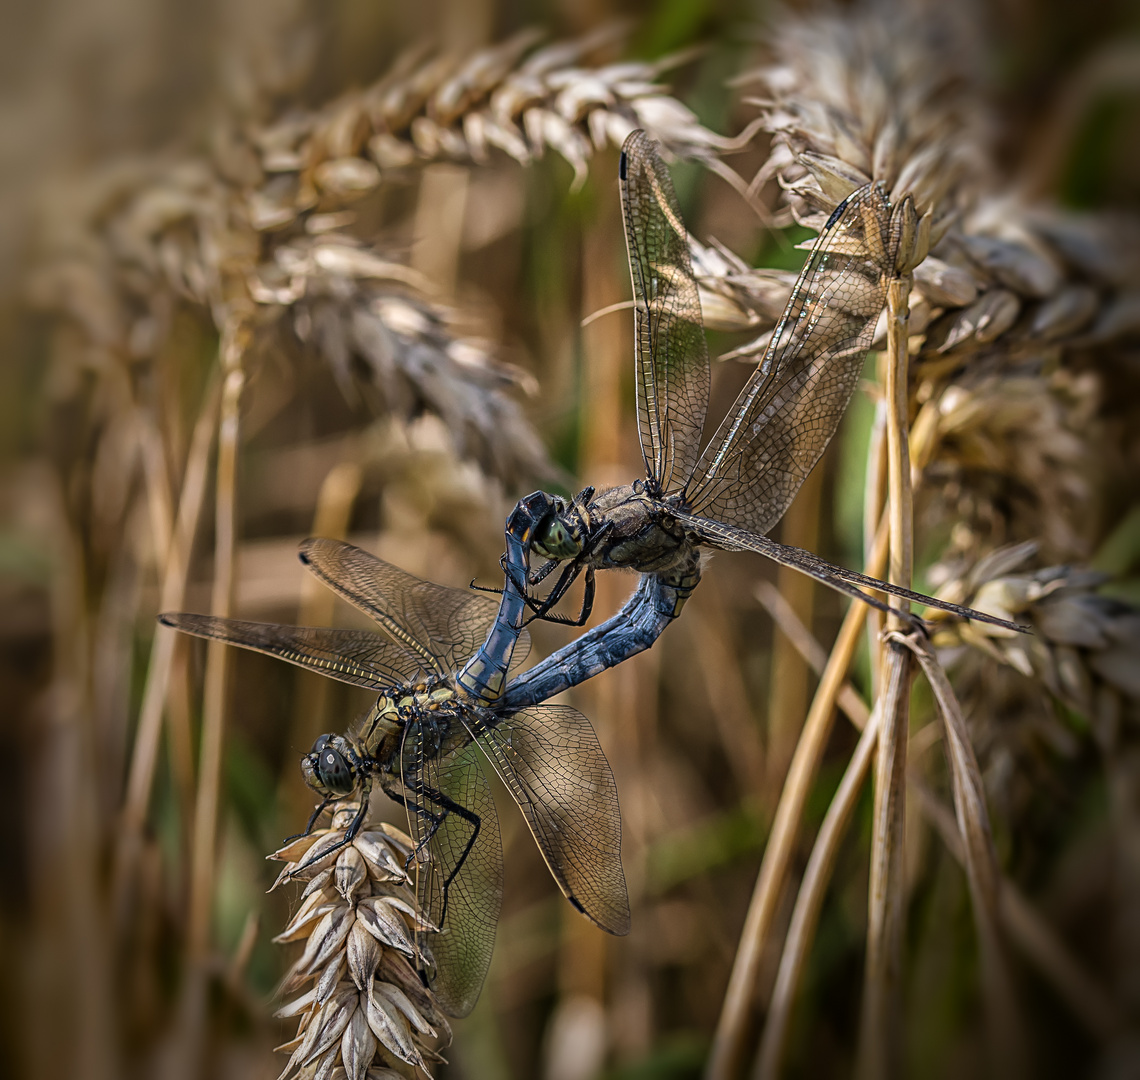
557,537
557,528
330,768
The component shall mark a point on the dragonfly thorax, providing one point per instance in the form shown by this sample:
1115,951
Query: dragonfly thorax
631,529
408,706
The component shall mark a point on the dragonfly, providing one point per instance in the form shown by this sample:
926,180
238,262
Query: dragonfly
730,494
439,671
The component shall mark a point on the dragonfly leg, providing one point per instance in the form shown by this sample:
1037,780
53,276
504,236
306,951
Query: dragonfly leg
358,821
522,583
567,579
583,613
542,608
587,597
536,577
350,833
414,808
312,820
448,807
518,579
485,588
344,841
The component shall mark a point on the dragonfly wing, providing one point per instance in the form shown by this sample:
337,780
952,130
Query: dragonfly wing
791,406
441,625
850,582
459,878
360,657
671,355
551,762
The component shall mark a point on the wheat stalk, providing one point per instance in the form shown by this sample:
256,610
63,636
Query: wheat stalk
267,243
1096,1009
879,1044
269,218
849,99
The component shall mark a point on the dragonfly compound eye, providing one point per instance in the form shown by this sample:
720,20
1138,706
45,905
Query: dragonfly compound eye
554,539
334,773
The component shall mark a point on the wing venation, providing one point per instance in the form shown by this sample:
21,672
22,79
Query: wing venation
552,764
443,626
790,408
359,657
671,355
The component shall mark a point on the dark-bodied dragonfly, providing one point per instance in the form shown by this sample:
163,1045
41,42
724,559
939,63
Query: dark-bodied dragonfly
439,672
732,493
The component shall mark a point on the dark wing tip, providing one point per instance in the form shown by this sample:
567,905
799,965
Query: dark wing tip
622,164
618,926
168,618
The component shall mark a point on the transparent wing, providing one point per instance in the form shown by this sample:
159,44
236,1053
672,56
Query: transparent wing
459,877
789,409
359,657
553,766
671,355
849,582
441,625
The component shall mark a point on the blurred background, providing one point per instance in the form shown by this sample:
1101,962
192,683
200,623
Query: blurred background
273,268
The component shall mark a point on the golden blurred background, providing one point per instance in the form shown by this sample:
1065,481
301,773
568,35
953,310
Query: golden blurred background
262,278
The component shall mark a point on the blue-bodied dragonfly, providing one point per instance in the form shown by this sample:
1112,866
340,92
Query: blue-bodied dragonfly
732,493
439,671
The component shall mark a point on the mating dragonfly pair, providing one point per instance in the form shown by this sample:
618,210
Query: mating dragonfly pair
441,669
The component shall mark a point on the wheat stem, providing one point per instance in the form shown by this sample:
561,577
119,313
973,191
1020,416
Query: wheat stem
879,1024
1006,1036
217,663
788,696
899,490
71,899
1090,1003
144,756
727,1056
809,901
874,499
813,653
335,500
202,852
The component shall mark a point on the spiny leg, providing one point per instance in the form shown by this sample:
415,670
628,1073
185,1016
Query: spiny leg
541,611
541,608
312,820
536,577
350,834
567,578
448,806
485,588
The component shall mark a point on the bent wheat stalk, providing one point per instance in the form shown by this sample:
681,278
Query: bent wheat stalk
729,1043
1089,1002
1006,1036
